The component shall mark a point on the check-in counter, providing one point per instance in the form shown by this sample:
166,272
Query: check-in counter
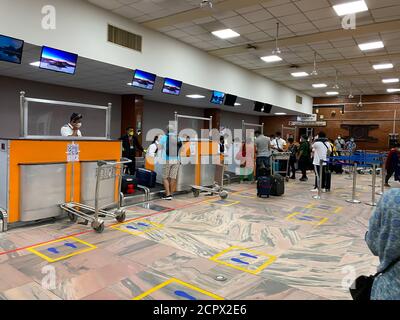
196,169
35,176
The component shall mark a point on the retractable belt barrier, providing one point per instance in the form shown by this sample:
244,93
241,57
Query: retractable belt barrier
359,159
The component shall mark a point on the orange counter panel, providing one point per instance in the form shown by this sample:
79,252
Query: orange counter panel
40,152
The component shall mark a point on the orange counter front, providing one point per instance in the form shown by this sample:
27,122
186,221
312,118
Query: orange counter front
25,157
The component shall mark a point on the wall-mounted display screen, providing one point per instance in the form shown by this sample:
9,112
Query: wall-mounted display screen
57,60
217,97
144,80
230,100
172,86
11,49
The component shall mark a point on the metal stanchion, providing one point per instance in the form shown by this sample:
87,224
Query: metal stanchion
319,195
383,173
373,202
353,198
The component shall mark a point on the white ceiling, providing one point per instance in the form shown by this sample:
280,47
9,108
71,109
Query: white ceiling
257,24
97,76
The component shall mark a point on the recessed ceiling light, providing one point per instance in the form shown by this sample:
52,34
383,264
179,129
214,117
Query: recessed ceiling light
280,113
371,45
237,104
195,96
394,80
299,74
332,93
35,64
225,34
383,66
393,90
273,58
320,85
350,7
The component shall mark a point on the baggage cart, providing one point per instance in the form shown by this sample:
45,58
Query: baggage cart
276,158
106,170
217,188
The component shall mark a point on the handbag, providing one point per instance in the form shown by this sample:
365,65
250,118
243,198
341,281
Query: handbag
361,288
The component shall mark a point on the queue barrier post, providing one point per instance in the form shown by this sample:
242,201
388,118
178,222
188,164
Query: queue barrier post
383,173
373,202
353,197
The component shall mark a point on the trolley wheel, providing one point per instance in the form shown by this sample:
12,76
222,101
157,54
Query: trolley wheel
224,195
287,179
196,193
72,217
121,218
99,228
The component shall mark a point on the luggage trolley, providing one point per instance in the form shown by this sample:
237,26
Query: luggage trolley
217,188
280,156
106,170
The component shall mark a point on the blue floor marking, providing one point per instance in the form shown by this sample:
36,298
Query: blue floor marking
248,255
132,227
71,245
143,224
53,250
239,261
185,295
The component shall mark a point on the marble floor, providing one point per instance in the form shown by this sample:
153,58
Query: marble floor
290,247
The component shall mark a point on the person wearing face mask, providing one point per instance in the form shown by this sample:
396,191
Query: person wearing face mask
351,145
72,129
339,144
130,145
393,165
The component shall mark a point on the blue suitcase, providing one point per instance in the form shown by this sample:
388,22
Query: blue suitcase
146,178
264,185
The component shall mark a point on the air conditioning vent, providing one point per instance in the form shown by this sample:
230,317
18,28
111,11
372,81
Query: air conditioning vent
124,38
299,100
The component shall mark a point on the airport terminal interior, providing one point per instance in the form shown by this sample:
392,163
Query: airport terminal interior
199,149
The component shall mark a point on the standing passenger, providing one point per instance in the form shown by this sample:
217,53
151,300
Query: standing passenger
263,152
130,145
393,165
304,157
293,148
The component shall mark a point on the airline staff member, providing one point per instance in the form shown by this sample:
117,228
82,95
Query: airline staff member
130,144
72,129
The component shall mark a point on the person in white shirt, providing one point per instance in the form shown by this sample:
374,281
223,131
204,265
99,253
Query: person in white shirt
321,150
72,129
153,148
278,143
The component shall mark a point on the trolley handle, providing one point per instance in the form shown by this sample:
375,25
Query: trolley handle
113,163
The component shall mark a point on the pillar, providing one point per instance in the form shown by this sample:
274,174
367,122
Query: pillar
132,115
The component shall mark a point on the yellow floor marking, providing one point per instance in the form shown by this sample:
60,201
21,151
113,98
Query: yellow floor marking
174,280
51,260
271,259
292,216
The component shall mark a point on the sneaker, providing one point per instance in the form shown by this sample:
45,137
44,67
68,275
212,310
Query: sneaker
387,185
303,179
324,190
293,178
314,190
169,198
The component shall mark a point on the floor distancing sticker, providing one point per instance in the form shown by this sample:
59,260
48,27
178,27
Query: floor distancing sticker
223,203
246,195
175,289
57,250
324,207
307,218
244,259
138,227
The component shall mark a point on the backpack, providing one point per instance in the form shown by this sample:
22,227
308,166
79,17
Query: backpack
176,145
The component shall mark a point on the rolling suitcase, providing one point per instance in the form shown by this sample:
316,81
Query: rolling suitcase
146,178
264,185
278,185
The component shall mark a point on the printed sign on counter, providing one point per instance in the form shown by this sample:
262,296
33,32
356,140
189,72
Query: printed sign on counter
72,152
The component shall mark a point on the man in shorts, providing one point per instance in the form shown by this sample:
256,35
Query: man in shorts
170,145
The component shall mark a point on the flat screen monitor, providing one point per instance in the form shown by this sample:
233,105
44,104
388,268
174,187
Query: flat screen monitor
217,97
11,49
258,106
230,100
144,80
267,108
172,86
57,60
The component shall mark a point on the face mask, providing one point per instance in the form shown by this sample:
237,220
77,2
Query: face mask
78,125
130,133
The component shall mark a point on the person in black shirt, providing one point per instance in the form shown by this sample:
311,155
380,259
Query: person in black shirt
130,145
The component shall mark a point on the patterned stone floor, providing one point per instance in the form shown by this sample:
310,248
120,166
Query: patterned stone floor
291,247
